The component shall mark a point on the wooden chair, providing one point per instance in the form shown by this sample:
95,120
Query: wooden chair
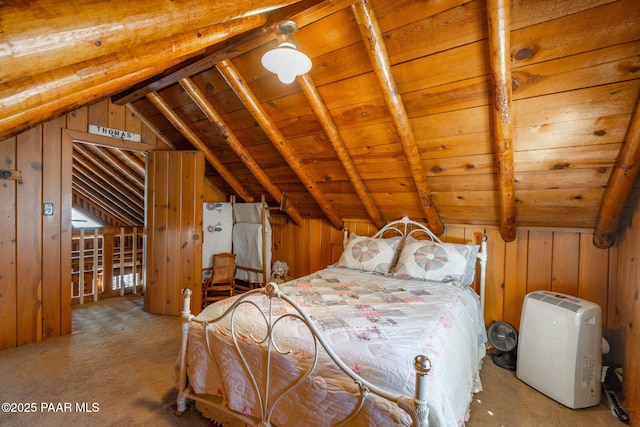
219,281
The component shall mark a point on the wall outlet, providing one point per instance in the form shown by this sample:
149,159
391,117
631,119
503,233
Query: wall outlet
47,209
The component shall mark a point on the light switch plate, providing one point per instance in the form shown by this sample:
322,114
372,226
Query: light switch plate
47,209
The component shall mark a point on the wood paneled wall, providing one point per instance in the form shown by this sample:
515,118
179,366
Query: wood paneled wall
624,315
34,275
35,249
560,260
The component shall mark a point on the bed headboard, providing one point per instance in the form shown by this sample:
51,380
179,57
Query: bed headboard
406,227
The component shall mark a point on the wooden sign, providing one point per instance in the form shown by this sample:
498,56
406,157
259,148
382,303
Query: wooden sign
114,133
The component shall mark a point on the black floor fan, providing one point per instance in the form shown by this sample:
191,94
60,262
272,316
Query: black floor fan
504,338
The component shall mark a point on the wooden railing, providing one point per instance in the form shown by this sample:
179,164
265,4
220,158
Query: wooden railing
106,262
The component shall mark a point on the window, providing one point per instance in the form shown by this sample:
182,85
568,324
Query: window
79,220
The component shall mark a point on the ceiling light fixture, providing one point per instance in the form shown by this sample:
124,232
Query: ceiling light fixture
286,61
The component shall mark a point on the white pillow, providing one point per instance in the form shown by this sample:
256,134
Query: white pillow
437,262
369,254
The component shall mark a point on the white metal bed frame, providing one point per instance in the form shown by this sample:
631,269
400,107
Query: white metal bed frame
416,406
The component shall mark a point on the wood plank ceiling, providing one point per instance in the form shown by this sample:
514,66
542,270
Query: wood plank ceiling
496,112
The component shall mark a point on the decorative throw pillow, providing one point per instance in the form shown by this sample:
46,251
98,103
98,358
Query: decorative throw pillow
437,262
369,254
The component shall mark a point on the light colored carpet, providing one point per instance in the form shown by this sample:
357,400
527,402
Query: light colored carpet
507,401
122,359
118,357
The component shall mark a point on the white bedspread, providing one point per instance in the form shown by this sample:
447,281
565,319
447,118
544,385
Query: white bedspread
377,325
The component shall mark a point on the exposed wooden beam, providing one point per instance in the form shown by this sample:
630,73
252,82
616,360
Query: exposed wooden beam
50,34
10,125
83,187
103,196
118,193
114,158
88,207
320,11
377,51
31,91
145,120
171,77
198,97
132,159
231,74
138,163
184,129
165,80
303,12
621,180
324,117
499,16
111,165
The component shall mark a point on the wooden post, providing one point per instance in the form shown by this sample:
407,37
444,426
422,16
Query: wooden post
134,258
81,267
264,219
122,261
96,252
107,263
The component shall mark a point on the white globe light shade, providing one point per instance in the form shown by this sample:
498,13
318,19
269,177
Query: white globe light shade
287,62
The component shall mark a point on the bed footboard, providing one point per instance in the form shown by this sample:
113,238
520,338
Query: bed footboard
416,406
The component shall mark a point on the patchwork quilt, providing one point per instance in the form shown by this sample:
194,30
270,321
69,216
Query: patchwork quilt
377,324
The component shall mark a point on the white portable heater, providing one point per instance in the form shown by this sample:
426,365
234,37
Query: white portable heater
559,349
